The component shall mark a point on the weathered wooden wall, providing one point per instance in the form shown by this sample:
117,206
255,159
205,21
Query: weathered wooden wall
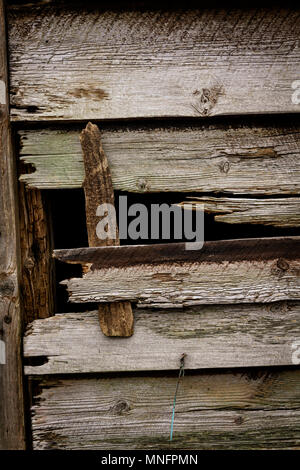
72,62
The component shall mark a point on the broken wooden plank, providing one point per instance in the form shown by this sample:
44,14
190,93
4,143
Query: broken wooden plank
78,63
279,212
167,275
212,336
37,267
253,409
115,319
12,427
237,158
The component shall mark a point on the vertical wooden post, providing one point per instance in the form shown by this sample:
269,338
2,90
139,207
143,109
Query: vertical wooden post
37,280
12,429
116,319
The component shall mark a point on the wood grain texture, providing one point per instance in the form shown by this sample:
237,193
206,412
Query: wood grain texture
115,319
37,266
213,336
12,432
237,158
246,410
278,212
168,275
76,63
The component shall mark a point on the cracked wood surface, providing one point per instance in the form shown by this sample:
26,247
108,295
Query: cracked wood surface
278,212
115,319
221,410
37,282
244,158
231,271
212,336
78,63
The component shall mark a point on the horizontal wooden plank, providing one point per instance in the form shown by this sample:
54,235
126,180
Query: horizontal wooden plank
236,158
167,275
214,336
279,212
79,63
213,411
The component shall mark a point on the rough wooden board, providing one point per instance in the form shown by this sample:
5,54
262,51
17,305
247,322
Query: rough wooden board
37,267
115,319
279,212
218,336
220,251
77,63
215,411
236,158
12,432
168,275
97,185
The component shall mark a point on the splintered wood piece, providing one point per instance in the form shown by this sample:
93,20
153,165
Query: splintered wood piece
115,319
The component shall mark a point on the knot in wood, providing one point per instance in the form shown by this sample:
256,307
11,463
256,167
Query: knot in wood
282,264
142,184
122,406
29,263
224,166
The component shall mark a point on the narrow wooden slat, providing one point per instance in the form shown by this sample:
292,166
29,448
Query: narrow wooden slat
115,319
77,63
12,430
213,336
236,158
167,275
279,212
257,409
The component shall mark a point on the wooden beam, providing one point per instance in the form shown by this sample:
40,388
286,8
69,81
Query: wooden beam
186,158
212,336
242,410
140,64
12,432
231,271
279,212
115,319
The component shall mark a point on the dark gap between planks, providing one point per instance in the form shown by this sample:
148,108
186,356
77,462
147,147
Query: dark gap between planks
69,229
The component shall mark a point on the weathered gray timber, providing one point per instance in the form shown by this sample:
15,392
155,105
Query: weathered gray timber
75,63
237,158
213,336
258,409
168,275
279,212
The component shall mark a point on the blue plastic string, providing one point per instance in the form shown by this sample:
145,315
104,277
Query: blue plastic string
181,374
